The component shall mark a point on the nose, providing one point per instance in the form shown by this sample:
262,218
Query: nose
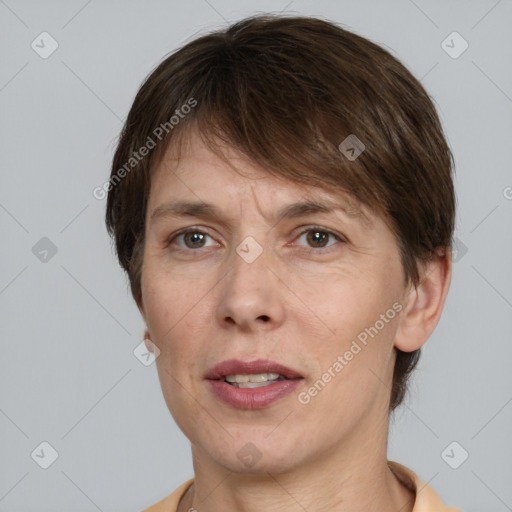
251,295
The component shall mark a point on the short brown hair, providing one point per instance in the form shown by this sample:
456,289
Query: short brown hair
286,91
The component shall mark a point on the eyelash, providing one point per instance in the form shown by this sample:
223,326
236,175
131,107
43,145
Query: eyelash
310,250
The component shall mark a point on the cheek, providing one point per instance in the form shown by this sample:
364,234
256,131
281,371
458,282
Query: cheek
178,316
339,301
168,297
353,314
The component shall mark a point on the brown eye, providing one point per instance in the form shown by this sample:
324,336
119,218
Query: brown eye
317,238
194,239
190,239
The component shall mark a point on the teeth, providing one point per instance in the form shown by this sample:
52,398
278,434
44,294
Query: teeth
254,378
252,384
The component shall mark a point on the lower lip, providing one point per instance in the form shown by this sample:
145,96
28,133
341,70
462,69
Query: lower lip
253,398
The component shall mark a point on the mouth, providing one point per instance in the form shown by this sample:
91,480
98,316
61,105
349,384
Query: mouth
252,384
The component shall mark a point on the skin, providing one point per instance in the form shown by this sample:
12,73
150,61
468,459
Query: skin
301,303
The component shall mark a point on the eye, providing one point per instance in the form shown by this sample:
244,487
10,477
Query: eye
318,238
190,239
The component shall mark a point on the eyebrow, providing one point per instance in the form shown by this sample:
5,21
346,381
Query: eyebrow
201,209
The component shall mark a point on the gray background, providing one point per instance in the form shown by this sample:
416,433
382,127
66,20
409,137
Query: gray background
69,326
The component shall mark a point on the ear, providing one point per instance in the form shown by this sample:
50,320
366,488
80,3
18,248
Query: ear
423,304
147,340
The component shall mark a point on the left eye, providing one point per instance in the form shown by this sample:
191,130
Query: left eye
318,238
193,239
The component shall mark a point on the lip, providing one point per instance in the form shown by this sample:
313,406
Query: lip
251,398
236,366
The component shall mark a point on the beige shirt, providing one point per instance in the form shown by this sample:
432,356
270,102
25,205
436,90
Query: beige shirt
426,498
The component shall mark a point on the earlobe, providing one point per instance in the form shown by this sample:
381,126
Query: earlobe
424,303
147,340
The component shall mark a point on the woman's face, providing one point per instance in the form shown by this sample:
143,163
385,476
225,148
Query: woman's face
317,292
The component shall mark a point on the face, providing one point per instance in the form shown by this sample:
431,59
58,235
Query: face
316,290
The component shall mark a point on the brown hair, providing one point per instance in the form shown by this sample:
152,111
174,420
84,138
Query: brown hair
286,91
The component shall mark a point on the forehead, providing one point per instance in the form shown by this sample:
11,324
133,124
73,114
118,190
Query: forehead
192,176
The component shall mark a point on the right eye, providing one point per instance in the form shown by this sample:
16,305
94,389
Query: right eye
190,239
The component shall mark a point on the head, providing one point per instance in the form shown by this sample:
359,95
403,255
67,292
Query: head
252,119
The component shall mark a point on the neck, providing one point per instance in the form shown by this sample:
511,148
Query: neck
340,479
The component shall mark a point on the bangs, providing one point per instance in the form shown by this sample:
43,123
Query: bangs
293,130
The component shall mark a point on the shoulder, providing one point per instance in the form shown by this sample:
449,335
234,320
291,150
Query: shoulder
427,499
170,503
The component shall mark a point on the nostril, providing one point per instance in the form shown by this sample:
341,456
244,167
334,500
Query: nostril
264,317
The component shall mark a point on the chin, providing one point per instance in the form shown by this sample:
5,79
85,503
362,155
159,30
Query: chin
256,454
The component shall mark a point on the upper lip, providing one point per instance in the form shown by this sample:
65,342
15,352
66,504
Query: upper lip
238,367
